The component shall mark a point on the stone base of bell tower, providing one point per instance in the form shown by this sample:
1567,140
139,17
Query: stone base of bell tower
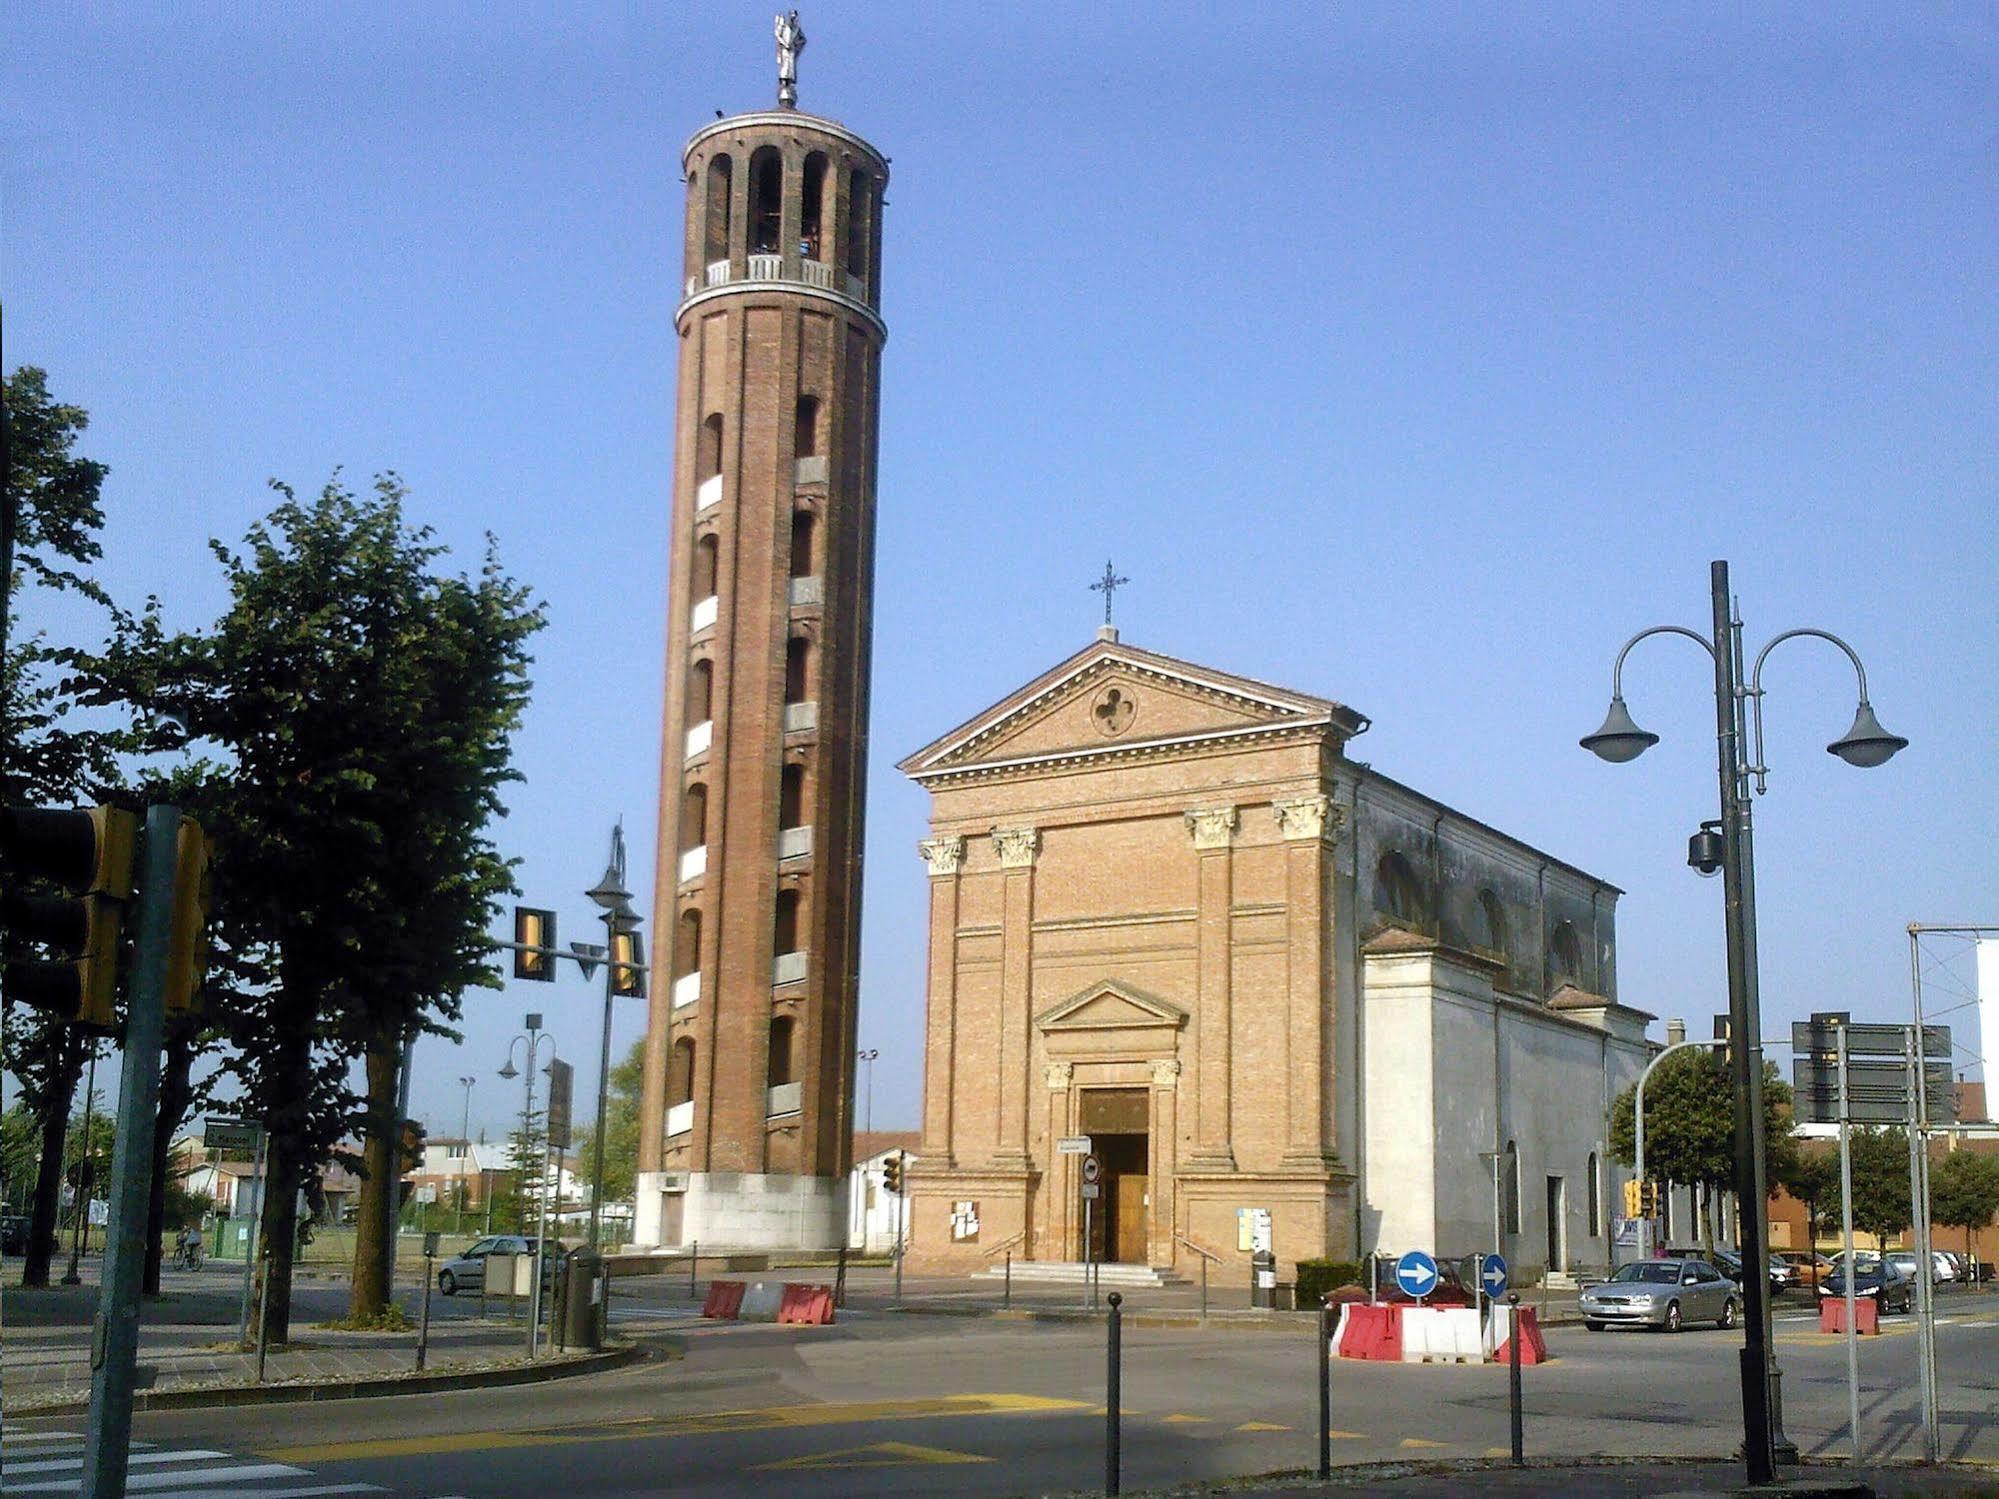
740,1210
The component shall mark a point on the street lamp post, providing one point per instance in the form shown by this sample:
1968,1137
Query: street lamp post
868,1057
619,920
465,1144
534,1037
1865,744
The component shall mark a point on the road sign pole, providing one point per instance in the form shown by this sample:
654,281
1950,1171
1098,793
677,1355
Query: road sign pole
115,1344
250,1236
1846,1262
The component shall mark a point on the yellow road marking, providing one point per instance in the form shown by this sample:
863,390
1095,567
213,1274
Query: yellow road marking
1418,1442
1179,1419
880,1455
1261,1426
1499,1452
701,1424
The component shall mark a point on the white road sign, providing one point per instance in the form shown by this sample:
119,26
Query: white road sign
1073,1145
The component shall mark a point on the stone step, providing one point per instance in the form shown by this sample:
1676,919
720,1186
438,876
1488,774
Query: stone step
1075,1273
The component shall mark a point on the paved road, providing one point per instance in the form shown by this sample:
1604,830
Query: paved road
893,1404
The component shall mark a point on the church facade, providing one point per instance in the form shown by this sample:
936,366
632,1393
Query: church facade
1170,912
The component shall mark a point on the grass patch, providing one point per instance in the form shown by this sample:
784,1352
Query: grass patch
390,1318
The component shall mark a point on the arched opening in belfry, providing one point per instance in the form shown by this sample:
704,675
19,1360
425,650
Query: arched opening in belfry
791,796
694,818
784,925
680,1073
798,670
1492,921
805,428
766,200
812,207
707,556
804,538
701,691
687,943
711,447
1565,955
860,221
1398,894
721,197
781,1029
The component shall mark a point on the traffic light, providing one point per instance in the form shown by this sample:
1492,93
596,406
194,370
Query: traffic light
534,951
628,956
1651,1200
88,854
892,1173
187,940
1634,1198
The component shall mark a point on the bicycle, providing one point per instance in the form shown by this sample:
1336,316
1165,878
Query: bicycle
187,1257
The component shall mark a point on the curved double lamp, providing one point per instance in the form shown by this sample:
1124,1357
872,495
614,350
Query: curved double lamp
1865,745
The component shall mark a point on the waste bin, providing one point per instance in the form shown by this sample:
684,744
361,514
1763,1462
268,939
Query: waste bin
583,1291
1263,1278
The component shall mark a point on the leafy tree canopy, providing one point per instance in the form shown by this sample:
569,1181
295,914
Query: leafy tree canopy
1690,1121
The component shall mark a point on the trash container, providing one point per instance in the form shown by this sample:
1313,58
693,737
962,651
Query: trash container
583,1290
1263,1278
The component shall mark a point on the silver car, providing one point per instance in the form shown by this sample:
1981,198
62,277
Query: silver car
467,1271
1665,1294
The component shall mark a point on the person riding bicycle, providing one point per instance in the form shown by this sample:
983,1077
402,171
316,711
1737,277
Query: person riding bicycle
190,1248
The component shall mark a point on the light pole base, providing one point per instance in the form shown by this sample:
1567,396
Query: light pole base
1782,1448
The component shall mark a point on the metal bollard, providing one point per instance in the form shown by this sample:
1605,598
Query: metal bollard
263,1318
1326,1386
694,1269
1513,1375
423,1325
1113,1397
1006,1299
1204,1288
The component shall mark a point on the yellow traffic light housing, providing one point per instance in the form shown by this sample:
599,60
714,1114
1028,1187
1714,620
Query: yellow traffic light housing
187,937
892,1173
87,853
534,944
1634,1199
628,956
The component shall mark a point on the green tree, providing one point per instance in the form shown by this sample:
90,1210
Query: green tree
518,1206
621,1128
362,705
1881,1201
1690,1122
50,517
1964,1192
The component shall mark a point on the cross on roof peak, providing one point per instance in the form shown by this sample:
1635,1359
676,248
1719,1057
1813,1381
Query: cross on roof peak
1108,586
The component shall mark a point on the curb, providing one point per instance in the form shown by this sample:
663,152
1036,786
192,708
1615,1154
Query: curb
363,1389
1232,1321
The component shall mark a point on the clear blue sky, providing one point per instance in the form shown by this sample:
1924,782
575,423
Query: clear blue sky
1411,355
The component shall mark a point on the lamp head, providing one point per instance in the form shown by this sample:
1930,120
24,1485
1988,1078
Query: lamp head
1866,744
1619,739
610,891
510,1071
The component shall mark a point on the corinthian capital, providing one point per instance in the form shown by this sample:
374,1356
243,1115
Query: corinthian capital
1308,817
943,855
1212,827
1016,847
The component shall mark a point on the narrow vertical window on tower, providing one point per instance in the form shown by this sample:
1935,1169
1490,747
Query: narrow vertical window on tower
782,1097
860,223
701,584
788,957
715,218
812,208
680,1087
708,486
699,711
804,544
687,958
794,834
766,202
694,832
800,710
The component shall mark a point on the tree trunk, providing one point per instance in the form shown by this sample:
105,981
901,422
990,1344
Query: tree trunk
174,1094
59,1095
278,1236
369,1293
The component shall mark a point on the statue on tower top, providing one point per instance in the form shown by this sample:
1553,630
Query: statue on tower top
790,42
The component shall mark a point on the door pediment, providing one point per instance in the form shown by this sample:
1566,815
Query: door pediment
1111,1005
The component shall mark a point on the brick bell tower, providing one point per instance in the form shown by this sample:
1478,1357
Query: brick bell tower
746,1116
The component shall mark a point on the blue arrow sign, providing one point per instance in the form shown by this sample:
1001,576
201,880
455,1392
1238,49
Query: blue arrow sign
1416,1273
1492,1275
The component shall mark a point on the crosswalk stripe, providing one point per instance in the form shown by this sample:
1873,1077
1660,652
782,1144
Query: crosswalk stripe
177,1478
263,1493
57,1464
18,1438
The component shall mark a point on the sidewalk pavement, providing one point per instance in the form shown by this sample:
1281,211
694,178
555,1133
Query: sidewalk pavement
1615,1479
187,1344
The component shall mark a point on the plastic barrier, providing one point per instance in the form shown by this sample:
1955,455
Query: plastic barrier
1533,1347
760,1301
1866,1315
725,1299
1370,1332
1447,1335
806,1306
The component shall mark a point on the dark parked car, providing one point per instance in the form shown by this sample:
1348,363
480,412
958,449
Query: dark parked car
13,1234
1892,1291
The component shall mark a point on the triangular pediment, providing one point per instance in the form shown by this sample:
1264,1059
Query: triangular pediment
1112,698
1111,1005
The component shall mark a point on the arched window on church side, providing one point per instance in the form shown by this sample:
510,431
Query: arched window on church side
1565,955
1397,894
1510,1187
1596,1224
1492,920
